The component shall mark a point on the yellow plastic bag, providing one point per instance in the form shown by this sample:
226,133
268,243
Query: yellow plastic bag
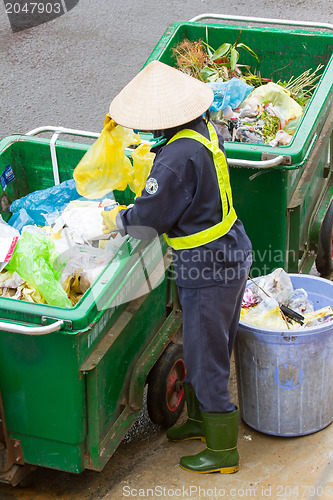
105,166
142,163
266,315
72,287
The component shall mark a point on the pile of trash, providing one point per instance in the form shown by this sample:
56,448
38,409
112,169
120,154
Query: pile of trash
267,116
53,247
270,302
247,108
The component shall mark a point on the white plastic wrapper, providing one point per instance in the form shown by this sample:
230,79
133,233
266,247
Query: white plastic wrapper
282,138
266,315
84,220
261,306
299,302
13,282
277,285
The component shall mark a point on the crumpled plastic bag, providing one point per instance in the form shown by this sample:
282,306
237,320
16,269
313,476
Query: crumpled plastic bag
36,261
8,239
230,93
143,160
72,286
266,315
14,287
84,263
21,219
6,230
10,280
105,166
30,294
43,206
299,302
249,298
282,138
277,285
286,107
84,219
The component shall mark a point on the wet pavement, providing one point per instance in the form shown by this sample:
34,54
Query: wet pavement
66,72
146,465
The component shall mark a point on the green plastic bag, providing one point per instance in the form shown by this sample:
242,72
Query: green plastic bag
37,262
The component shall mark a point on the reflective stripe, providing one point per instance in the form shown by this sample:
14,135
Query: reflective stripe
228,217
203,237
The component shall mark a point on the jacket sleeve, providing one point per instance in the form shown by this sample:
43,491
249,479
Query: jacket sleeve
162,202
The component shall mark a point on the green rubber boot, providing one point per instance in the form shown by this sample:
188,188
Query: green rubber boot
221,455
193,427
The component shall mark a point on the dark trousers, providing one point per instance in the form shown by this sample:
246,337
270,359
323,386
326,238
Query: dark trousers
210,322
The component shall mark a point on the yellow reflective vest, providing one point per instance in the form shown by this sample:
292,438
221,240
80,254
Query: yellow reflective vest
228,212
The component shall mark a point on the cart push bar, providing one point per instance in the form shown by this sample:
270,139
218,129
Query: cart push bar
266,163
31,330
56,132
263,20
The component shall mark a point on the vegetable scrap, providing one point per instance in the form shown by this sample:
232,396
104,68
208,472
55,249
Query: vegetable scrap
247,108
270,302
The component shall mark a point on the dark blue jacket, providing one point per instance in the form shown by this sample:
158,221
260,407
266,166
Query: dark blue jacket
182,197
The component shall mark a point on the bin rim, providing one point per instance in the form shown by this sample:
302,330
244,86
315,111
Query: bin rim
290,333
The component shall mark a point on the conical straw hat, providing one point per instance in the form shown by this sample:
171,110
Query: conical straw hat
160,97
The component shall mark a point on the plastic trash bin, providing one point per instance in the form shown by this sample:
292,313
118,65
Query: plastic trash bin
285,377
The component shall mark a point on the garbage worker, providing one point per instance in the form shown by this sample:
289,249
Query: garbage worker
188,199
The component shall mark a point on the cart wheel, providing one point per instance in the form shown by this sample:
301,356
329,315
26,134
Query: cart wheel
324,260
165,398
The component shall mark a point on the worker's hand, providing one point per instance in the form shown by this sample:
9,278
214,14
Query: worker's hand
109,218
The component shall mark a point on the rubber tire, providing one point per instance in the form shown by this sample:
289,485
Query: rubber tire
324,260
158,409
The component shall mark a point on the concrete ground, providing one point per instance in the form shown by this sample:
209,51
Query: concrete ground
65,72
270,467
146,466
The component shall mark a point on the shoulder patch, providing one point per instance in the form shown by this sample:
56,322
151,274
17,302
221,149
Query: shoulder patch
151,185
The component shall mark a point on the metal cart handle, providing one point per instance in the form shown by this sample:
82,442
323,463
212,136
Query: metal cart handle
262,20
33,330
61,130
56,132
273,162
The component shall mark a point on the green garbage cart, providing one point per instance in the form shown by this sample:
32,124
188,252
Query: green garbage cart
283,195
72,380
